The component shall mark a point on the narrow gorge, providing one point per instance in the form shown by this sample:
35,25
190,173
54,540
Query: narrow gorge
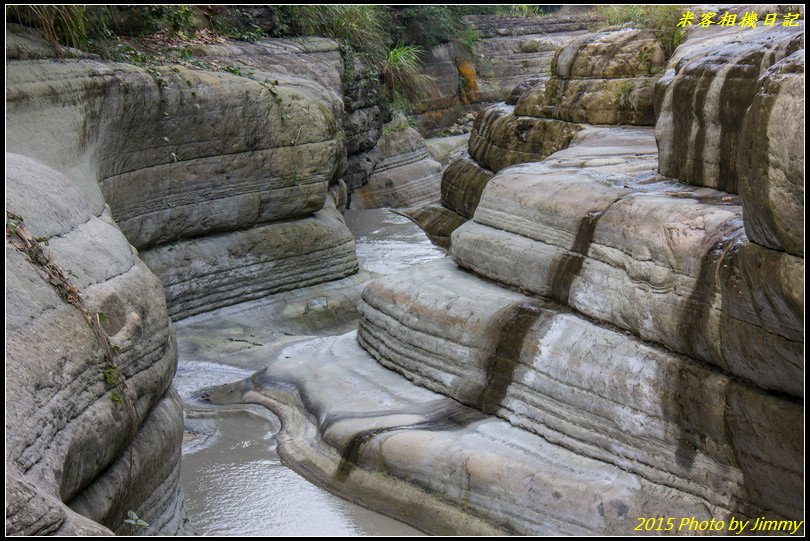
560,291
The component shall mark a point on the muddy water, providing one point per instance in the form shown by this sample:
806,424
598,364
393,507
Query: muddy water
233,479
387,242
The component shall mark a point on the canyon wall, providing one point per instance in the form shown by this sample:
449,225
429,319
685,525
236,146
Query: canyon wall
152,192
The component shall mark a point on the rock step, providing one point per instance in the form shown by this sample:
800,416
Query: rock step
592,389
202,274
369,434
591,229
500,138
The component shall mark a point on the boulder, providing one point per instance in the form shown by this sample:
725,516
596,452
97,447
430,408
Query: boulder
404,174
600,78
501,138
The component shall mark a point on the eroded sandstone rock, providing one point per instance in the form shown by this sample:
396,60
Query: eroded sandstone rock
587,228
189,157
367,432
462,184
771,158
702,99
501,138
66,431
436,221
403,174
218,270
589,388
601,78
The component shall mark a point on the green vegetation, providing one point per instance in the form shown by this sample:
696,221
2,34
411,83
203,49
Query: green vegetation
661,20
111,375
402,72
132,518
63,25
382,44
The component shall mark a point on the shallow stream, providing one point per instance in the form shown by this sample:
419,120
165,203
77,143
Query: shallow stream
233,479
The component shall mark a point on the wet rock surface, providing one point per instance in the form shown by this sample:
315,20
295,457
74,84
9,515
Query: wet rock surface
771,168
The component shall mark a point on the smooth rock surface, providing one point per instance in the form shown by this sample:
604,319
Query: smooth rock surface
588,388
369,434
701,100
588,228
440,148
436,221
771,159
201,274
67,441
193,160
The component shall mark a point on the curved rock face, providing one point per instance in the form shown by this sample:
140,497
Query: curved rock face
771,158
504,62
220,178
703,96
219,270
368,433
500,138
194,160
685,270
602,78
403,174
436,221
650,263
668,420
74,448
463,182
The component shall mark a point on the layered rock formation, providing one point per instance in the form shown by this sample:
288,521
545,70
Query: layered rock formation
616,70
702,98
220,178
89,435
371,436
200,208
403,173
363,100
591,229
649,337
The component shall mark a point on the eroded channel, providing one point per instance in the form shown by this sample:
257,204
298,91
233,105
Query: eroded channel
233,479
